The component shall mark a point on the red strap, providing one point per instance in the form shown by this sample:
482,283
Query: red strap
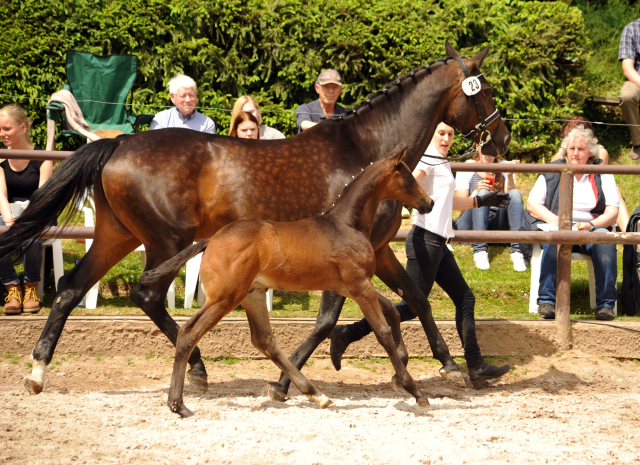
592,179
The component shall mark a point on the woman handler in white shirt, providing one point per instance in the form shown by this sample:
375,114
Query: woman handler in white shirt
429,260
595,208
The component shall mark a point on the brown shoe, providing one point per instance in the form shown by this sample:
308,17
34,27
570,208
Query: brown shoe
13,300
634,154
31,302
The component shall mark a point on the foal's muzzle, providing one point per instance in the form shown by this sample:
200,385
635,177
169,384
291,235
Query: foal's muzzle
425,205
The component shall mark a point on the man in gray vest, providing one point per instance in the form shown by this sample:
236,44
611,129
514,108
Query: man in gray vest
329,87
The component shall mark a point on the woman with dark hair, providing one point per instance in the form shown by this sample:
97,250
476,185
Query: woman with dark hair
250,105
19,179
245,126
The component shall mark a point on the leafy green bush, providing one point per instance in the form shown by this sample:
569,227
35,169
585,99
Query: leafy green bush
275,49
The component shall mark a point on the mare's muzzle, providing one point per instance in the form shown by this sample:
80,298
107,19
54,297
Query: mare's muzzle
425,205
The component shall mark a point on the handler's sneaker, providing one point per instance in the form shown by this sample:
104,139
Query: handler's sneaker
482,260
518,261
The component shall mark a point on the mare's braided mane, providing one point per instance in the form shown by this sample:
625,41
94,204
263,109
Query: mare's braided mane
398,82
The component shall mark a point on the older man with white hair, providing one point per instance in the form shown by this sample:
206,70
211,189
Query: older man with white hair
184,95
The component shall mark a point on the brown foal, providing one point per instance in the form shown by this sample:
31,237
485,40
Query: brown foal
331,251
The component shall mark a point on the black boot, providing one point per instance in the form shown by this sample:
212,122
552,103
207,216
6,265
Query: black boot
484,373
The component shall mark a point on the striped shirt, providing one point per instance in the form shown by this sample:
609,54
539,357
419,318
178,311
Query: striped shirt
630,44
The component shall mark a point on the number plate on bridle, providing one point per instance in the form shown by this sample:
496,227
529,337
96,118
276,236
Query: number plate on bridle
471,86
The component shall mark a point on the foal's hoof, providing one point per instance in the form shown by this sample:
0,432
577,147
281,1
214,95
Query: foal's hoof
453,375
198,381
322,400
395,383
180,409
423,401
275,393
33,386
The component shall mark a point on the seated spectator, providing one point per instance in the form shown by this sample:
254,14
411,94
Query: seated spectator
470,184
629,55
623,213
184,95
245,126
595,208
250,105
329,87
19,179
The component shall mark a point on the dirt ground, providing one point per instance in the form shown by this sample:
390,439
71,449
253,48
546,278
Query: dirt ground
566,408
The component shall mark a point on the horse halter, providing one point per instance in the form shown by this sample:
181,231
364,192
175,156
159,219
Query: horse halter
471,86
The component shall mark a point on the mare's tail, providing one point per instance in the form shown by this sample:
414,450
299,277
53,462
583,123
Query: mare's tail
68,183
171,266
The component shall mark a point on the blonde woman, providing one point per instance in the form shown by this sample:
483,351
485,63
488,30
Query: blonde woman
19,179
250,105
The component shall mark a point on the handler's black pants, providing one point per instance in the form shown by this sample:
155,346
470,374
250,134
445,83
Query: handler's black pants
428,261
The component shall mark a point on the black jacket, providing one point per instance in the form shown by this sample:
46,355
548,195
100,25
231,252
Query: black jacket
630,292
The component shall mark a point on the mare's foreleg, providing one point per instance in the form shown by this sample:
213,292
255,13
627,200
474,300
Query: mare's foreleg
330,308
393,274
263,339
363,292
71,289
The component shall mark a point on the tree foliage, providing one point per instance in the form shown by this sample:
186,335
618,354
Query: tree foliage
274,50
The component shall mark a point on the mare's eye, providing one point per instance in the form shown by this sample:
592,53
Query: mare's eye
488,91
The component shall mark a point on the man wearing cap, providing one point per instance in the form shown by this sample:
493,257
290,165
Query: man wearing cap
329,87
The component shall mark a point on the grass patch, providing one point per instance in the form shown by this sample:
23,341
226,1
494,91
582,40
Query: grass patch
223,360
149,355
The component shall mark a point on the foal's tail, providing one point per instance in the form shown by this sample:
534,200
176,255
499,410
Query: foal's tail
171,266
68,183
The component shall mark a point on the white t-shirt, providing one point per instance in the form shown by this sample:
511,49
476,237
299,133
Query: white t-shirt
439,184
584,199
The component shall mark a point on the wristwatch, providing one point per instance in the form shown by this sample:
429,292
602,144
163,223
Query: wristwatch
593,228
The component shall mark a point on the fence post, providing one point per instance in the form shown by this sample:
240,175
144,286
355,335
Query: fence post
563,284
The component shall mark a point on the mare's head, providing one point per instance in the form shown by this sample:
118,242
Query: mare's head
472,109
402,185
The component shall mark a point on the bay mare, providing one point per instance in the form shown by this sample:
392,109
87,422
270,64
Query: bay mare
168,188
329,251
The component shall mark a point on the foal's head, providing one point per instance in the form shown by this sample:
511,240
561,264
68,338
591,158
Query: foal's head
402,185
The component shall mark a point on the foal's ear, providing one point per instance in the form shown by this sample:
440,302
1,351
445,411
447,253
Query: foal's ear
451,52
480,56
398,152
400,156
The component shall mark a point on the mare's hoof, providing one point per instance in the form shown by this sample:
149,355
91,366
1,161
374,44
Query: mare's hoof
32,386
395,383
339,344
275,393
180,409
198,381
423,401
452,375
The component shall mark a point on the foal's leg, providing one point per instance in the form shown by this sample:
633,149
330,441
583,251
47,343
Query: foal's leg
363,292
330,308
210,314
392,273
150,298
263,339
109,247
393,319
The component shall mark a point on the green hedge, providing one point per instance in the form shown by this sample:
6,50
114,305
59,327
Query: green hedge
275,49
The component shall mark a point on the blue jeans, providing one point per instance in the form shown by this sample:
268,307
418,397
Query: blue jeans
32,260
486,219
605,269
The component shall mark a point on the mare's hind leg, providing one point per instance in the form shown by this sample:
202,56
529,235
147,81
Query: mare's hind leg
150,298
109,247
362,291
392,273
330,308
263,339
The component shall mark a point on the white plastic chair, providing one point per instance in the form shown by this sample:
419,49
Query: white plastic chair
536,258
58,263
